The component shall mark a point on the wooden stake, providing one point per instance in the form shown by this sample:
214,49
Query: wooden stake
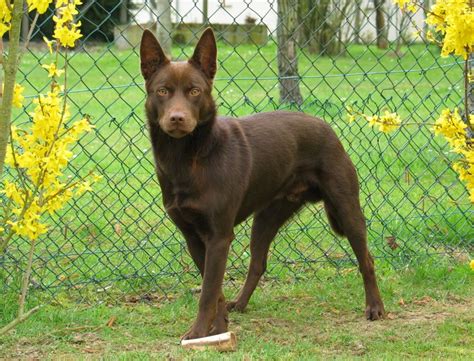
222,342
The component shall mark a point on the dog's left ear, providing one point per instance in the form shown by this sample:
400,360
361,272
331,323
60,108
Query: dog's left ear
205,54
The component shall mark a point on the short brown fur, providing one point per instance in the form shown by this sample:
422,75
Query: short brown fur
215,172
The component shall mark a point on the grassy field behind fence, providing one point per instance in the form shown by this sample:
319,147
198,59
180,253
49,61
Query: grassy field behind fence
118,237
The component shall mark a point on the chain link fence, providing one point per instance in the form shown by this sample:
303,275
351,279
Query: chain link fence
118,239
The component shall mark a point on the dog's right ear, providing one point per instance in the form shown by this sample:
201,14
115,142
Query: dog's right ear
152,56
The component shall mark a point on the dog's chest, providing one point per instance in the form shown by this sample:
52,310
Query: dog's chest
180,189
185,205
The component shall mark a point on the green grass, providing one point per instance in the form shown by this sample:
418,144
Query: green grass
429,317
119,237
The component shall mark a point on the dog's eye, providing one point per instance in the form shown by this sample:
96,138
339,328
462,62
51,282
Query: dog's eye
195,92
162,92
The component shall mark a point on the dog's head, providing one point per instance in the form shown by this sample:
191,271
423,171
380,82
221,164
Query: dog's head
179,93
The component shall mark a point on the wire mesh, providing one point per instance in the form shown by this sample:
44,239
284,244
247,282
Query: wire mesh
119,239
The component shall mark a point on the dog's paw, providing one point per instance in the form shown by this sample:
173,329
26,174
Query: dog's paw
375,311
235,306
193,333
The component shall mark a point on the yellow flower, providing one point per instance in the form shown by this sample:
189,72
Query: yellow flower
83,187
53,71
66,13
454,19
80,127
372,119
407,5
5,17
471,264
43,151
389,122
18,96
49,44
39,5
451,126
4,28
411,8
67,36
430,37
60,3
43,155
65,31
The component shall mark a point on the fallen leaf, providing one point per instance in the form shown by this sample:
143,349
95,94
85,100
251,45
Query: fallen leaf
111,321
118,228
391,241
390,316
423,301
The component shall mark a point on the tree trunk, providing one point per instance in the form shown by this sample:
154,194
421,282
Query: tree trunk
205,16
313,24
287,57
25,23
426,8
357,22
10,67
381,31
402,37
164,26
124,12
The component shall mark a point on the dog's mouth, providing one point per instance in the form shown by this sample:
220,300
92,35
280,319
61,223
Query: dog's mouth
177,130
177,133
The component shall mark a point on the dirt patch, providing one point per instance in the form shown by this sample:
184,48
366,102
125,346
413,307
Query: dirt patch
419,311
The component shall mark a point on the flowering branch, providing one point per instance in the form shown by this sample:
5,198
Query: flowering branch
40,154
453,20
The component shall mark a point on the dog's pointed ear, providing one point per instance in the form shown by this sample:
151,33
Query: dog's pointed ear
151,55
205,54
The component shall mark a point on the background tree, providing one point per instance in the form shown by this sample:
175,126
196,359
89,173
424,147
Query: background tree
380,25
287,57
357,21
164,27
320,25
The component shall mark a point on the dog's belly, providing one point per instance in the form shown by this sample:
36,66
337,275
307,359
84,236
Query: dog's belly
300,187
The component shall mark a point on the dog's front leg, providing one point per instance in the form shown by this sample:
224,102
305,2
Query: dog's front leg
217,249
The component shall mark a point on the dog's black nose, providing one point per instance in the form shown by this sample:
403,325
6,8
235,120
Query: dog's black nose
177,117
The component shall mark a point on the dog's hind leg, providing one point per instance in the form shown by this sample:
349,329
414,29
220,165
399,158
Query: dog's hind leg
341,198
265,226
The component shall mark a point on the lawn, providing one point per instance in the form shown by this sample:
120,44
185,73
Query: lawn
429,317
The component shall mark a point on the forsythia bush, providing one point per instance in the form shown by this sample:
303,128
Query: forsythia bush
40,153
454,20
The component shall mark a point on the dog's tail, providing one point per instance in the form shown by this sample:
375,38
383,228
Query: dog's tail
333,219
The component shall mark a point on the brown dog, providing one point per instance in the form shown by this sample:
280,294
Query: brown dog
215,172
